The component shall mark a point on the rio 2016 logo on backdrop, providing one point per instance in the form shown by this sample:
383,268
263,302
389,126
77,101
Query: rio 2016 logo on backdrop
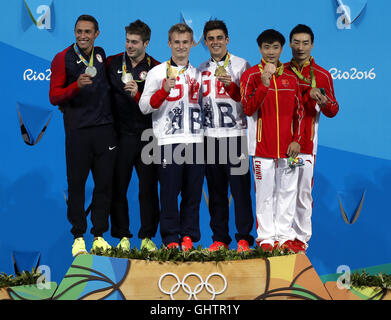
40,13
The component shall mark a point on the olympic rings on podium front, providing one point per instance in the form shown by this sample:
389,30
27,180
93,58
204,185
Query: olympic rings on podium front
186,287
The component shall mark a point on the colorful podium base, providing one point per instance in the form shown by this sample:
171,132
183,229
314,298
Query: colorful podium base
93,277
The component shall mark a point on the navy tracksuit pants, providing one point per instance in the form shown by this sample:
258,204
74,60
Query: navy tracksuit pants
90,149
128,157
220,175
185,179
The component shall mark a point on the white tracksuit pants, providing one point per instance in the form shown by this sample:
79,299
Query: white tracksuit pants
302,220
275,192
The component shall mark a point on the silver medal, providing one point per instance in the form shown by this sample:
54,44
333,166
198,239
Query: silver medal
91,71
126,77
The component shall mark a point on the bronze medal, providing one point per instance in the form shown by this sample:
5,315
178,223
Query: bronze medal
269,67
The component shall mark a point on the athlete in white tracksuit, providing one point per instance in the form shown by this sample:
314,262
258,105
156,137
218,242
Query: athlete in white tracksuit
226,124
177,125
176,115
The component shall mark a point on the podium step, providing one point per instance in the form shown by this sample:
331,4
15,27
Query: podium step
93,277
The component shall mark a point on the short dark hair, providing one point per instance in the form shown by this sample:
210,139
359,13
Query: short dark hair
301,28
213,25
87,17
140,28
270,36
180,28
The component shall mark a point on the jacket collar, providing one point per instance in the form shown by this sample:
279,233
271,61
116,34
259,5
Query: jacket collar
306,64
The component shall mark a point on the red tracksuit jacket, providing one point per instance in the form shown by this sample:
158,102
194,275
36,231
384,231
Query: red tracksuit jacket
311,114
275,112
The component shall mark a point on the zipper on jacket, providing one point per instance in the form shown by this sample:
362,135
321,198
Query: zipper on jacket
259,130
277,118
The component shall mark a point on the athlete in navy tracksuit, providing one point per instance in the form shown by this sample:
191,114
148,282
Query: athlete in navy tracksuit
130,124
89,131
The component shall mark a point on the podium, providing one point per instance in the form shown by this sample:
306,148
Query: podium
289,277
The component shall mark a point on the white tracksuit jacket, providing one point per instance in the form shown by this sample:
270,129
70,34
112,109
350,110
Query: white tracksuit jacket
176,115
223,112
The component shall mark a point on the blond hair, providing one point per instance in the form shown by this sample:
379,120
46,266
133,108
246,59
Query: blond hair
180,28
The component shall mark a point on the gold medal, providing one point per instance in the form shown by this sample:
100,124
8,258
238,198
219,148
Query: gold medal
172,73
220,71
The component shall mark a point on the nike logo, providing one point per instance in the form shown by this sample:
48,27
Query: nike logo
119,71
78,62
112,148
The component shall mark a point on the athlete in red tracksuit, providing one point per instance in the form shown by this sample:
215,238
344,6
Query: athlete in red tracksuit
272,100
312,78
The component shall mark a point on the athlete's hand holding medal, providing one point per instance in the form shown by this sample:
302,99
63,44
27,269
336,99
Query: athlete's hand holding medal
222,75
127,78
221,72
85,78
318,96
130,85
172,74
268,72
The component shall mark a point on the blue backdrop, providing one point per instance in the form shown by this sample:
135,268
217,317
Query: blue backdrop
354,155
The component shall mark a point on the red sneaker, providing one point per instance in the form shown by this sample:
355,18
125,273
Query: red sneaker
173,245
243,246
186,244
267,247
301,246
217,245
290,246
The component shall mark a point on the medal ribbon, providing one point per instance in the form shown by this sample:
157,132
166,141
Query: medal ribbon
226,61
312,82
77,51
183,70
125,69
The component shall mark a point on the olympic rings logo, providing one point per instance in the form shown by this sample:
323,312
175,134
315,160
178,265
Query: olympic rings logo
197,289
